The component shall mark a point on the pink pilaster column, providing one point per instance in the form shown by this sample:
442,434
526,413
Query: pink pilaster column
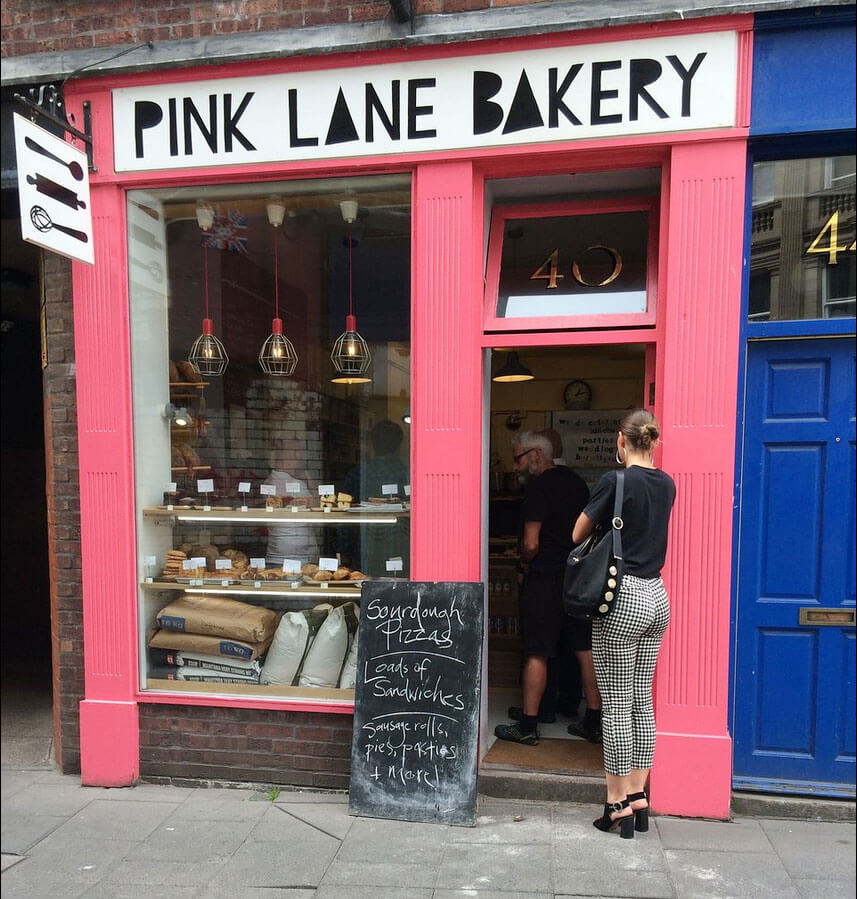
446,401
697,382
109,729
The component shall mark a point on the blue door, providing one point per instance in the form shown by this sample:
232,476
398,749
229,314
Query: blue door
794,700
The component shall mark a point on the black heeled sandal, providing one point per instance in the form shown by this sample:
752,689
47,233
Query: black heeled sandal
641,815
606,823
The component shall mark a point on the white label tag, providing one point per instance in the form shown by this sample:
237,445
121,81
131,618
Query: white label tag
224,582
291,566
257,563
293,487
326,489
206,486
198,561
295,509
171,487
268,489
221,564
244,487
196,582
150,560
187,564
394,565
295,585
328,564
323,585
407,489
389,489
257,584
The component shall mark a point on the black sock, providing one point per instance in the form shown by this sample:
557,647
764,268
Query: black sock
529,724
592,716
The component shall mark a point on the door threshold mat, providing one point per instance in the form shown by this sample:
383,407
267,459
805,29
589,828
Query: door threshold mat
552,755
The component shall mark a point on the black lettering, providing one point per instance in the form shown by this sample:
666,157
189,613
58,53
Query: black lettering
414,85
294,140
643,72
524,113
486,115
556,94
230,122
374,105
598,94
686,76
341,129
146,115
192,113
174,128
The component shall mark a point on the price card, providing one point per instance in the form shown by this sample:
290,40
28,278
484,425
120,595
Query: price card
149,565
199,561
293,487
268,489
190,564
171,487
389,489
257,563
407,489
205,486
394,564
221,564
328,564
326,489
324,585
150,560
244,487
292,566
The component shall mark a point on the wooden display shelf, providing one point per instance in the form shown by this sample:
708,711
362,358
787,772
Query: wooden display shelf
307,516
257,690
280,589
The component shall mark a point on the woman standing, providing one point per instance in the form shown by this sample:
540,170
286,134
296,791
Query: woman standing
625,644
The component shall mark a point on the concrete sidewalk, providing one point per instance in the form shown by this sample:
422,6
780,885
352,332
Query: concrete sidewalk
60,839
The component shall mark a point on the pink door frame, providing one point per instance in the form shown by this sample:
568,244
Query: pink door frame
702,215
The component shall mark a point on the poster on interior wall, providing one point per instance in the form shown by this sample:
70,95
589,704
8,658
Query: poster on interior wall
589,440
53,192
657,85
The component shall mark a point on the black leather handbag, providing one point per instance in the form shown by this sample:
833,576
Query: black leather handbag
593,570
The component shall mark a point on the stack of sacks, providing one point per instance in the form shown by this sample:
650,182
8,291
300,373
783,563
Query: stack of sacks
311,648
200,626
175,665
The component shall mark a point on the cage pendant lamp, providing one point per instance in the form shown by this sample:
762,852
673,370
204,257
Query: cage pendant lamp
350,354
278,356
208,355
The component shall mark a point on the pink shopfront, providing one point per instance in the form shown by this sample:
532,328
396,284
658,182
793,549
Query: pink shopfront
358,242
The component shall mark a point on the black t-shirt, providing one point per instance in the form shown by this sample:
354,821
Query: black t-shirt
555,498
648,501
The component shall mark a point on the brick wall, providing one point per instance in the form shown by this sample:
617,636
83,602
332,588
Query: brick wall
245,745
63,512
41,26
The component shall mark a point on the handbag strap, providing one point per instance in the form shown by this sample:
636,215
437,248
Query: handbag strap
617,524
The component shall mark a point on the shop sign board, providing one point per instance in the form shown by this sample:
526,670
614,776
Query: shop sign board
53,192
416,703
590,91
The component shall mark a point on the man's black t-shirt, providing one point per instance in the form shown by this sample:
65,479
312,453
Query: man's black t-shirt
555,498
648,500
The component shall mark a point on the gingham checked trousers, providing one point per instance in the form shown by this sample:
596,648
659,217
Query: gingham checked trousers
625,648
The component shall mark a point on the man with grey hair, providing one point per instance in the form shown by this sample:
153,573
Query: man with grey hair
553,498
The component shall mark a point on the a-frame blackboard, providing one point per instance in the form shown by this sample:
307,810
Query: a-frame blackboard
416,704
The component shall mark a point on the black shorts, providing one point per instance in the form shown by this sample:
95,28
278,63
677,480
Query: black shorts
545,628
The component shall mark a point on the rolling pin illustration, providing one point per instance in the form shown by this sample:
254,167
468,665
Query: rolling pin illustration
56,191
43,222
74,167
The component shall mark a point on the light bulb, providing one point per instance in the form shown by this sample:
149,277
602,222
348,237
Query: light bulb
352,350
278,351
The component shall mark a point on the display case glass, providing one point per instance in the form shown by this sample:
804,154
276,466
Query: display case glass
272,475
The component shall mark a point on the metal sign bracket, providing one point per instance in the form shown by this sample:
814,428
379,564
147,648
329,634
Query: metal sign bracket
46,101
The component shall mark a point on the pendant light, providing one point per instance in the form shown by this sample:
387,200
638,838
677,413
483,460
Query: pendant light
350,354
513,370
278,356
207,355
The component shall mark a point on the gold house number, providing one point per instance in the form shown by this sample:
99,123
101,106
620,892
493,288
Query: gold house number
831,230
549,269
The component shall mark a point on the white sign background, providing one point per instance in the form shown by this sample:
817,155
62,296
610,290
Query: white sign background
50,213
288,116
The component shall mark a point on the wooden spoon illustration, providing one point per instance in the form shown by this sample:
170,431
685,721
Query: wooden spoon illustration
74,167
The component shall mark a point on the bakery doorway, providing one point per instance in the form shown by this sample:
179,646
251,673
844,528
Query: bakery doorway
580,392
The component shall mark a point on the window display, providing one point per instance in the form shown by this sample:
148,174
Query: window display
271,378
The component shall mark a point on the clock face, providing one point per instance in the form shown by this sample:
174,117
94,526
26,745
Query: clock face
577,394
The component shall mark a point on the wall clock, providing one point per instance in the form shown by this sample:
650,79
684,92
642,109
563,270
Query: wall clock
577,395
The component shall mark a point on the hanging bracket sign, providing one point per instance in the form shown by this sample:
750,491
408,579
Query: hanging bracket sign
53,191
416,703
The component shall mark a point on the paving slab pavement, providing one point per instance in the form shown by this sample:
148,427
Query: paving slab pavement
61,839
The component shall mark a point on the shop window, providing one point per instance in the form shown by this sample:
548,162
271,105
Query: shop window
802,258
571,265
271,482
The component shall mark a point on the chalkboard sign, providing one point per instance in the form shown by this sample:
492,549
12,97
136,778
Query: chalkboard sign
416,702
